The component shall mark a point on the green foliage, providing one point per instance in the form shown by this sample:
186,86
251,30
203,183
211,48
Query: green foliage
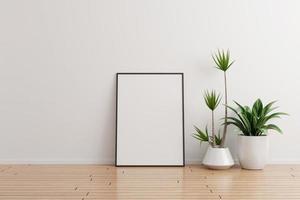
254,121
203,136
212,100
222,60
218,139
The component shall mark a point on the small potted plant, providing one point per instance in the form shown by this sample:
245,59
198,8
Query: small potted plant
217,156
253,141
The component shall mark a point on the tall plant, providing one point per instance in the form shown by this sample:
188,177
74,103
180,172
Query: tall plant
223,62
212,100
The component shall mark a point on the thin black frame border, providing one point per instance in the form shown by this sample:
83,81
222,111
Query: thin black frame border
183,127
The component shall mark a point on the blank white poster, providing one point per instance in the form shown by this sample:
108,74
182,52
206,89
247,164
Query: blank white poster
150,119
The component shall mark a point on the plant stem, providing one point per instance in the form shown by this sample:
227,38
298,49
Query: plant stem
225,120
213,128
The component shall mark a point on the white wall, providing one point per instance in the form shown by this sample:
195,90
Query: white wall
58,60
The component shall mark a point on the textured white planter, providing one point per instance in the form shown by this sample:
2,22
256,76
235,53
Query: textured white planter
253,151
218,158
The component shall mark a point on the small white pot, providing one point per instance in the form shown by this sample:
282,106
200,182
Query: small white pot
218,158
253,151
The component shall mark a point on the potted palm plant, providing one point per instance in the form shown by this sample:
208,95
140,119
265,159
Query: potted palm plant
217,156
253,141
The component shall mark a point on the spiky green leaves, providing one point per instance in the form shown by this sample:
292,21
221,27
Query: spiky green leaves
222,60
254,121
203,136
212,99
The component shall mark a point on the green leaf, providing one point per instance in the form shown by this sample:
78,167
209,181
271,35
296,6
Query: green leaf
253,122
201,135
218,139
222,60
268,108
273,127
212,99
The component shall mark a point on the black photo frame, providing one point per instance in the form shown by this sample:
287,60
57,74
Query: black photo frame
182,113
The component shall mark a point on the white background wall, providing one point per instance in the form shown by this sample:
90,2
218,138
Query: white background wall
58,61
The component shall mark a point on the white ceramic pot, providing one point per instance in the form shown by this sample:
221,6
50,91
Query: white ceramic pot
218,158
253,151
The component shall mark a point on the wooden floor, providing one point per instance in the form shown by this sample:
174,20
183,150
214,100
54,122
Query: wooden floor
83,182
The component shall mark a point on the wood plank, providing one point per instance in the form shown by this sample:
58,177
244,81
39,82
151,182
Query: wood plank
86,182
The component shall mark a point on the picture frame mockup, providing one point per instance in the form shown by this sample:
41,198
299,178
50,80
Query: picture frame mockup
149,119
